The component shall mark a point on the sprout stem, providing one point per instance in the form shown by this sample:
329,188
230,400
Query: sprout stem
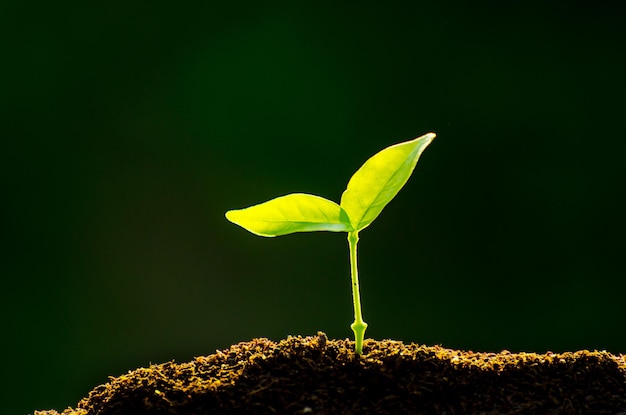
359,326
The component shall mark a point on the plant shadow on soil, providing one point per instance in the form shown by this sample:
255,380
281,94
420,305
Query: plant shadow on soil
315,375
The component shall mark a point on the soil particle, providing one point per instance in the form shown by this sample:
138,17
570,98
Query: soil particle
315,375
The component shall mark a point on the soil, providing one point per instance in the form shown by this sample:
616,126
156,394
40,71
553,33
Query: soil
315,375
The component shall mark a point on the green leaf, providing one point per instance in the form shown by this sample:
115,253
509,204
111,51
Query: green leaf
297,212
380,179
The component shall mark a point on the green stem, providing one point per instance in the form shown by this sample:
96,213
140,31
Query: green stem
359,326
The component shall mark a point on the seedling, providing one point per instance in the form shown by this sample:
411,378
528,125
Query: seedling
369,190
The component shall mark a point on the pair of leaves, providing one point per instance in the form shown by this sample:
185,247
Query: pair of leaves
369,190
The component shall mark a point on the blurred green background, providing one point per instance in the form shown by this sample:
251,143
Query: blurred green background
128,130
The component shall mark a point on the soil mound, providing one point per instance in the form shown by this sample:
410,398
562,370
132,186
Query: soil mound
315,375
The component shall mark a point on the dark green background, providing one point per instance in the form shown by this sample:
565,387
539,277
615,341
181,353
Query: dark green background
128,130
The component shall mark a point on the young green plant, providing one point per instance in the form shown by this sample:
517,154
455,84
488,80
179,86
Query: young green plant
368,192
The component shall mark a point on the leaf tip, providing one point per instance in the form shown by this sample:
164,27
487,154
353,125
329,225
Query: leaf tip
427,137
229,215
234,216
